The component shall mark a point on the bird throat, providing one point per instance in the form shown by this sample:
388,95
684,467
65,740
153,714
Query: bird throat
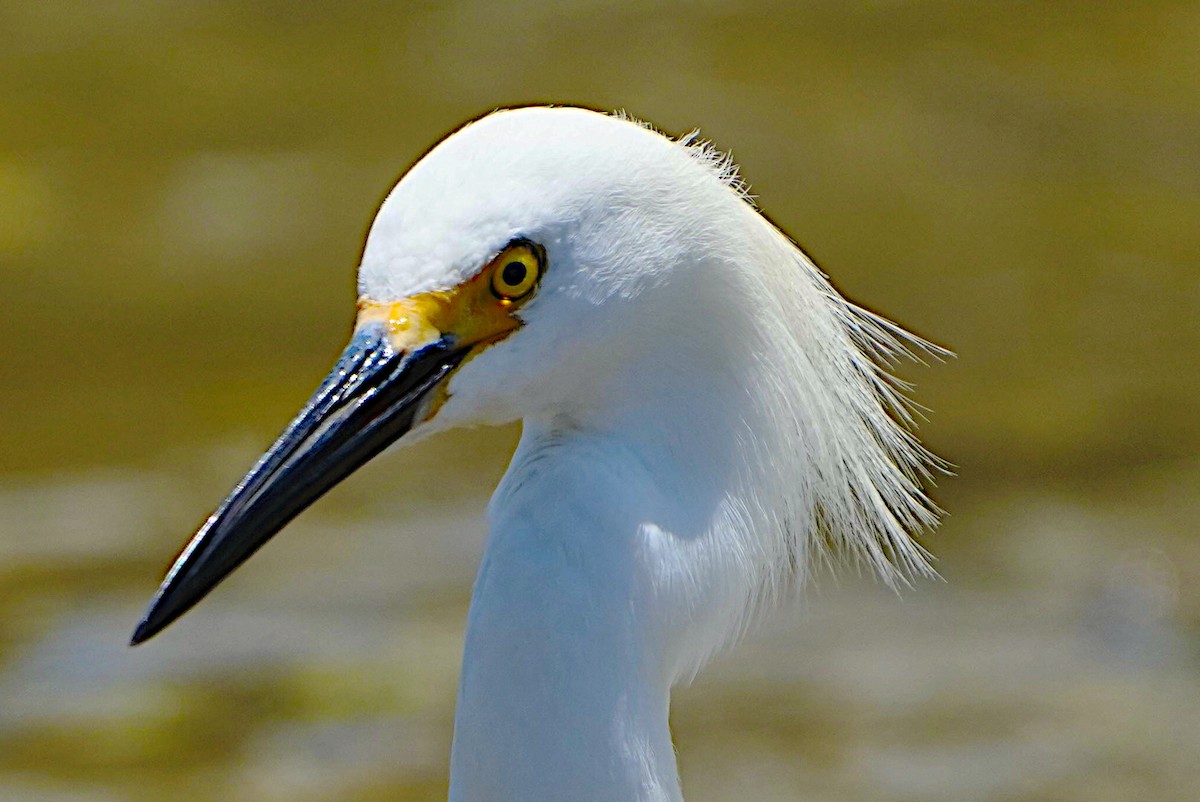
565,691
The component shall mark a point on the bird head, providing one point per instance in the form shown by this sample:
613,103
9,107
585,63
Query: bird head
512,272
559,264
544,245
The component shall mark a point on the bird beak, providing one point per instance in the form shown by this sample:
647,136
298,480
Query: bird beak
375,393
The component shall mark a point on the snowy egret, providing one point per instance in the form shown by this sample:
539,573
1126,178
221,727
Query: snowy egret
704,419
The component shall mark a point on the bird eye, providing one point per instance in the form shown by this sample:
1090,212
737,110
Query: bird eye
515,272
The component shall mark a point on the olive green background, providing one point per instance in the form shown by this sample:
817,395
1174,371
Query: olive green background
184,188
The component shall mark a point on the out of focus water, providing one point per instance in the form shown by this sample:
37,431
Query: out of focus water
183,191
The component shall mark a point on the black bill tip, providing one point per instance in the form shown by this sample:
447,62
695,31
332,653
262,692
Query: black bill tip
145,630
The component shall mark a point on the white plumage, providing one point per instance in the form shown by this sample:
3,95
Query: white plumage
703,415
704,420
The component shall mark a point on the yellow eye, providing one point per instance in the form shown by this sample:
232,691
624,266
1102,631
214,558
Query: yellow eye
515,272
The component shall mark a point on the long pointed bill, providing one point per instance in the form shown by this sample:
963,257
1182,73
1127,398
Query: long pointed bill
371,398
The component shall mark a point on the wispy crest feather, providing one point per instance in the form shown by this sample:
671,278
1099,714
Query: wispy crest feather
837,473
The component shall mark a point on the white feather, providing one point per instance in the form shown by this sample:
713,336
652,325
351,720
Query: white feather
705,420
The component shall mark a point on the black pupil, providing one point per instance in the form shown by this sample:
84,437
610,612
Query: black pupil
514,273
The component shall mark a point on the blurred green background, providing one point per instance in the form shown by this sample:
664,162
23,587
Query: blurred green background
184,188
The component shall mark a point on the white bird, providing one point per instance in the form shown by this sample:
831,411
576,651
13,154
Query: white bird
704,419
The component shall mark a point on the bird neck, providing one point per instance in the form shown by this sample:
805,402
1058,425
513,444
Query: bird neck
566,677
